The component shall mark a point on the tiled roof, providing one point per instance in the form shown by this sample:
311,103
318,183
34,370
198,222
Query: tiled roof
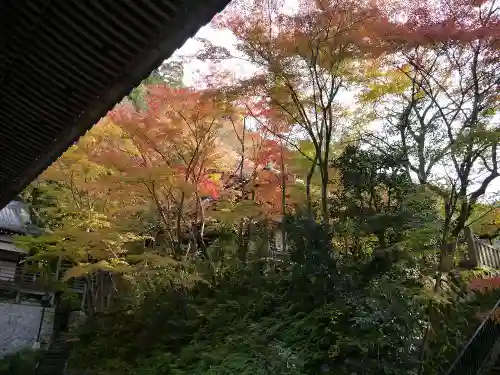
14,217
65,63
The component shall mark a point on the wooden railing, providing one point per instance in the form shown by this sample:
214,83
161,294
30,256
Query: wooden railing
76,284
21,278
481,254
16,278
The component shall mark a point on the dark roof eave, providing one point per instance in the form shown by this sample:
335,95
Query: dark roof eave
143,64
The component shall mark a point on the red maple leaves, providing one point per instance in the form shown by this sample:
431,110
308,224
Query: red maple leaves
208,188
482,285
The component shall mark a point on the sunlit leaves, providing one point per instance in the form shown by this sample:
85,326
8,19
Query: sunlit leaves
226,211
85,269
390,82
486,220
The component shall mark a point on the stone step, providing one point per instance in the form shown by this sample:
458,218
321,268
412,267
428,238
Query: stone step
56,356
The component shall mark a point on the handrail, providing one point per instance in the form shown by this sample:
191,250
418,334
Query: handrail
40,359
478,349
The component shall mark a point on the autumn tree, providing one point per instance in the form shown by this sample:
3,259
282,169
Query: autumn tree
254,189
305,63
205,174
438,97
441,99
81,237
162,155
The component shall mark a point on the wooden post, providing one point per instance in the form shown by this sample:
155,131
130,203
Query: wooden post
84,296
56,278
58,268
471,247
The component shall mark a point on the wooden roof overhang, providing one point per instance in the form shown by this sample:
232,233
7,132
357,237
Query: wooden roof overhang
65,63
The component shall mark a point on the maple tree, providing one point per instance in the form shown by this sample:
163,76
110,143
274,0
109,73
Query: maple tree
162,155
305,63
186,155
439,97
254,188
439,61
83,239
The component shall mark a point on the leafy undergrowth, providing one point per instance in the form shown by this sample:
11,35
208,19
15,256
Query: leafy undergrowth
299,322
21,363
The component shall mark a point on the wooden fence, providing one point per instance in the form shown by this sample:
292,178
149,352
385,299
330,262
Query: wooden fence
19,278
481,254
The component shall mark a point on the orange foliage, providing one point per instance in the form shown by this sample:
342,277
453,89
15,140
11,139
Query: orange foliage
183,152
171,143
326,32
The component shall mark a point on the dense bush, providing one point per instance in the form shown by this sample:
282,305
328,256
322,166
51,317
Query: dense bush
20,363
316,316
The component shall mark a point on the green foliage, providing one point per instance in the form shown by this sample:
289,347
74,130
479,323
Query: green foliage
20,363
317,313
356,294
379,206
170,73
314,309
313,317
485,220
329,304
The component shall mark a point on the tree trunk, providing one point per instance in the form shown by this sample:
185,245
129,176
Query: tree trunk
178,231
283,200
90,297
241,244
324,193
308,189
446,251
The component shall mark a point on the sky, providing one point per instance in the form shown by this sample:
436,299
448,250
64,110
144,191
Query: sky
193,69
223,38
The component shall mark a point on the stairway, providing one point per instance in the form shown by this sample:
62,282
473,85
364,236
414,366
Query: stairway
54,359
481,355
493,368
